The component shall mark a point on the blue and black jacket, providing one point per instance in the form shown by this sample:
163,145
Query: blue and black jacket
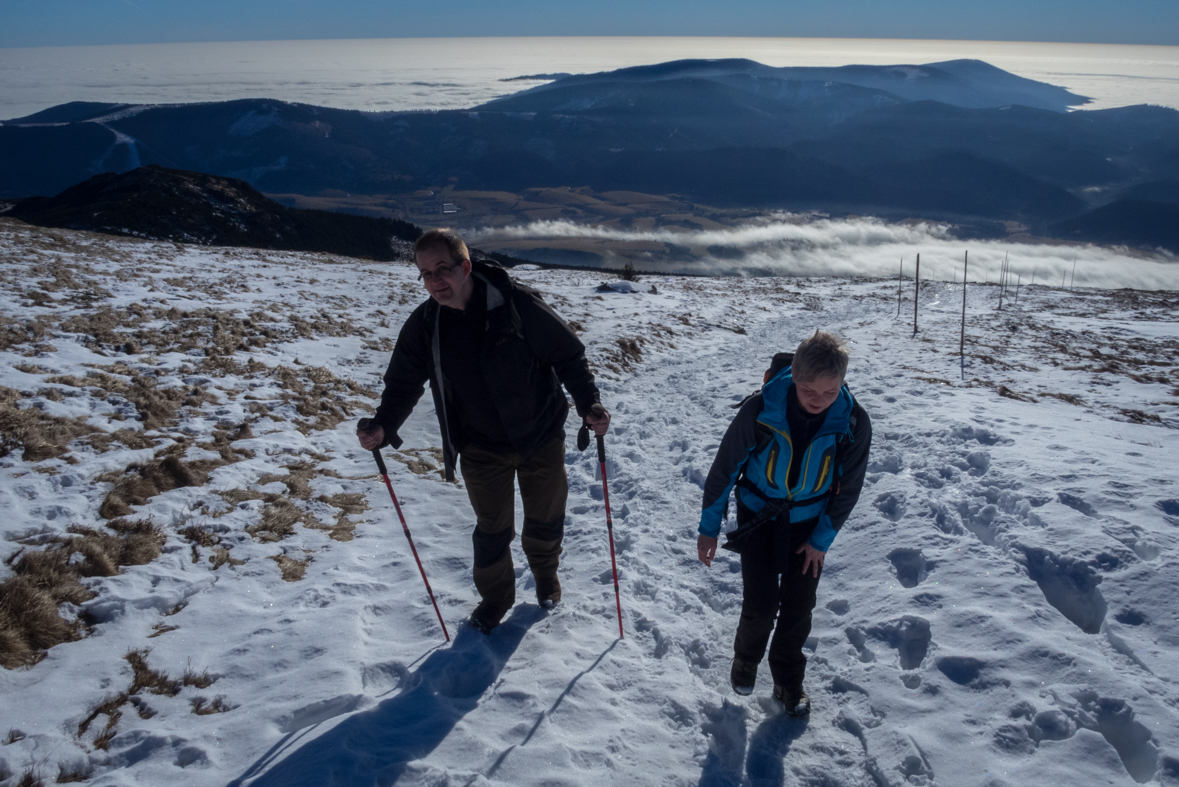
755,457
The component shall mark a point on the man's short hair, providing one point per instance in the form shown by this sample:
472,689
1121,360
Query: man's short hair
821,355
443,237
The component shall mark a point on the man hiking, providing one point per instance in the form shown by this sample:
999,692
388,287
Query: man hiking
495,355
797,453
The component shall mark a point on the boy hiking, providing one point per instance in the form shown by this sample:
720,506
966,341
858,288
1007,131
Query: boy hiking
797,453
496,356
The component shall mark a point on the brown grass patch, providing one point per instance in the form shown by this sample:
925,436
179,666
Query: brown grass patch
42,580
14,333
141,482
1004,391
292,570
349,503
198,534
279,519
202,680
31,778
67,774
157,407
1070,398
221,556
1139,417
204,707
297,479
39,435
421,461
160,628
143,677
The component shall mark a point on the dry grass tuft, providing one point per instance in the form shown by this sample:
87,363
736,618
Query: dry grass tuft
1139,417
67,774
349,503
221,556
1006,392
201,680
30,778
203,707
140,482
143,678
43,580
1070,398
200,535
292,570
40,435
421,461
297,479
279,519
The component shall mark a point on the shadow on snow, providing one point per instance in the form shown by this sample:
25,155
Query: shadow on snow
729,765
376,745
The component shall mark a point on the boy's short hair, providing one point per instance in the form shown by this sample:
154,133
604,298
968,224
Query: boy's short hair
443,237
821,355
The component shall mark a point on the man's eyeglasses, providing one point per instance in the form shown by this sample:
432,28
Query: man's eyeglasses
441,272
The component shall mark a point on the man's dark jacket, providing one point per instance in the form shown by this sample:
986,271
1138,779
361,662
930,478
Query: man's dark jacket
528,352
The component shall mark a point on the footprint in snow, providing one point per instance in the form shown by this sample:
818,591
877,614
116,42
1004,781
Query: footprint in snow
910,565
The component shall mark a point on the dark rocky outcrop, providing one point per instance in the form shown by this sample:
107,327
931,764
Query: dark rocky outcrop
188,207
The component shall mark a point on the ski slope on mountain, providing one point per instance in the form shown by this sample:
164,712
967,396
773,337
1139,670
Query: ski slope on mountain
998,610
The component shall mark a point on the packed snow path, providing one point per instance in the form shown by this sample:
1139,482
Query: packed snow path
997,611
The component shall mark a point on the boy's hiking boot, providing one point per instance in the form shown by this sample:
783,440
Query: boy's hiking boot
548,591
486,617
743,676
797,702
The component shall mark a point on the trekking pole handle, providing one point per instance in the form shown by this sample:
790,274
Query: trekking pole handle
598,410
365,425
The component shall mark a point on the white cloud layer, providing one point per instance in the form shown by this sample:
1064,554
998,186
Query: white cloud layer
789,246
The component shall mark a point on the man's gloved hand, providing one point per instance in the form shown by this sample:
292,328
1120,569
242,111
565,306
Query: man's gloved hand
598,420
371,436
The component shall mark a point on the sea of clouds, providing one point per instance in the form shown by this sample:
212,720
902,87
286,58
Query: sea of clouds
456,73
791,245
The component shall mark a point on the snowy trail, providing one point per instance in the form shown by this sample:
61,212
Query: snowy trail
997,611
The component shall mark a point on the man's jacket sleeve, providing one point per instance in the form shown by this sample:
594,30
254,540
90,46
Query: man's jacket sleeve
552,340
851,483
405,379
740,439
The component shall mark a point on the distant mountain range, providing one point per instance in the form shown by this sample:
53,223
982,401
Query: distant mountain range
955,141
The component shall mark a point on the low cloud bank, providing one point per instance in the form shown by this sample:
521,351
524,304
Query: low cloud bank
790,245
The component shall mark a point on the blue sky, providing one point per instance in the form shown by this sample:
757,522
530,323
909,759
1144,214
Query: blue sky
78,22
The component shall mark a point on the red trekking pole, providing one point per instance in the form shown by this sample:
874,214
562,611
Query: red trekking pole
408,537
597,409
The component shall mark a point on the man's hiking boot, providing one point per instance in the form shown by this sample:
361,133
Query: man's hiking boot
485,617
797,702
548,591
743,676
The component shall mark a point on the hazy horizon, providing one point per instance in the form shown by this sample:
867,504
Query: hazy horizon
456,73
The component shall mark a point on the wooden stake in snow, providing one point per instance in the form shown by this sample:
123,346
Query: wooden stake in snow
1073,280
916,292
1002,281
900,278
962,341
1018,278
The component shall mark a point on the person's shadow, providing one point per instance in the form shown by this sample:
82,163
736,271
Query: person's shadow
731,761
374,747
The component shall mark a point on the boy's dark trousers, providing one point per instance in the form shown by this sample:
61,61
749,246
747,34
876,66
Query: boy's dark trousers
790,595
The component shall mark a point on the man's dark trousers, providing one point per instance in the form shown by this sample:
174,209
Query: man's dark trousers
544,489
789,594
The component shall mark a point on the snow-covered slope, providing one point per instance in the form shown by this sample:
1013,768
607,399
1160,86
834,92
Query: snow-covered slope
999,610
